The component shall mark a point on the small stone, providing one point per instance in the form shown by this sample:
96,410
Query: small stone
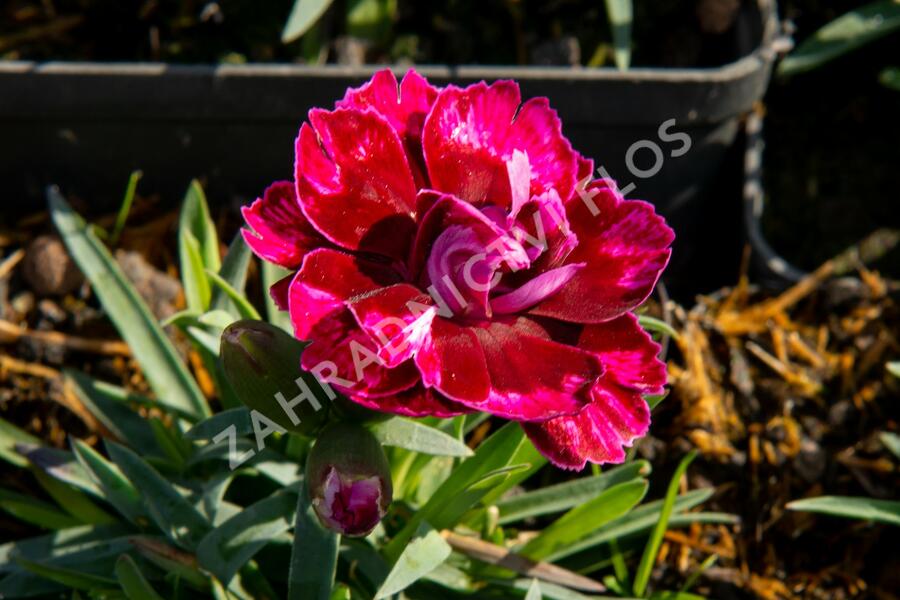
811,461
159,290
48,269
51,311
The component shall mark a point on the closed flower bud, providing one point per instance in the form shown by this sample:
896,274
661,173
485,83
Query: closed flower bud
262,363
349,479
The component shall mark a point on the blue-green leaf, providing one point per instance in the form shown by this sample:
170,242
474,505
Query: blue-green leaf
425,552
412,435
848,32
313,556
303,15
35,511
161,365
209,428
234,272
133,582
619,13
648,559
172,513
868,509
115,487
229,546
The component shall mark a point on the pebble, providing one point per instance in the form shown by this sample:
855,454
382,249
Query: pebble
48,269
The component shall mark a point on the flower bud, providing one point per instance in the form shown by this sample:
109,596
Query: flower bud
349,479
262,363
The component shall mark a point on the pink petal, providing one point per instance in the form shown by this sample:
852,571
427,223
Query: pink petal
626,248
628,353
354,181
280,232
536,289
280,291
397,318
615,418
506,370
405,108
471,133
326,281
418,401
354,370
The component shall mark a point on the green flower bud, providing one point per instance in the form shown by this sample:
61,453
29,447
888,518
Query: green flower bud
262,363
349,479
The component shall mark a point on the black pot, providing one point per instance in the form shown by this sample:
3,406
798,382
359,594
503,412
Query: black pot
86,126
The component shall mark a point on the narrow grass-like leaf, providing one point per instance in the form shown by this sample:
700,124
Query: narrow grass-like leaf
313,556
125,208
209,428
272,274
891,441
408,434
848,32
642,575
229,546
197,290
133,582
494,453
177,563
172,513
244,308
619,13
35,511
233,271
850,507
108,404
10,436
657,326
66,545
563,496
425,552
71,578
161,365
585,519
893,368
72,501
303,15
195,218
534,591
116,488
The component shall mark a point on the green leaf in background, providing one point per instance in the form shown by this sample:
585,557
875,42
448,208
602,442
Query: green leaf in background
244,308
162,367
425,552
890,78
65,544
195,219
496,452
411,435
125,208
585,519
72,501
303,15
891,441
133,582
116,488
108,404
619,13
10,436
272,274
534,591
893,368
209,428
868,509
232,544
197,290
34,511
173,514
848,32
71,578
657,326
563,496
234,272
642,575
313,556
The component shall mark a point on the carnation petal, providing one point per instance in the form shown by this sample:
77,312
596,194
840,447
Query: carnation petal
354,181
615,418
471,133
326,281
625,247
628,353
418,401
405,108
279,230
